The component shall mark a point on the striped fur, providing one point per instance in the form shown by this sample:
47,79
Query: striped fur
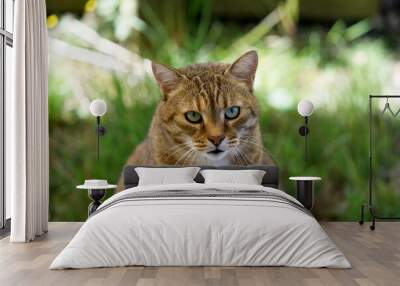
209,89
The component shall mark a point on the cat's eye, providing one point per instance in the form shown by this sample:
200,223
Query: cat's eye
193,117
232,112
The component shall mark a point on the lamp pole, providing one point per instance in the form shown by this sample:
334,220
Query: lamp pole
305,108
100,131
305,139
98,108
98,136
303,131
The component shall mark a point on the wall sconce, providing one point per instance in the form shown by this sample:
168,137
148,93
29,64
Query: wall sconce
98,108
305,108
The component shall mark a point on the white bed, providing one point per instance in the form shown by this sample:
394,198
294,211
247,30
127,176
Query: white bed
268,228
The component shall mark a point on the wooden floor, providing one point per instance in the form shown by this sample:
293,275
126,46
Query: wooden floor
375,257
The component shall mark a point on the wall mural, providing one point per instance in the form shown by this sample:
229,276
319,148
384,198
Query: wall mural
218,83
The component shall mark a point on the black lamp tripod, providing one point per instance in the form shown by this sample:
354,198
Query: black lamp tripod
370,205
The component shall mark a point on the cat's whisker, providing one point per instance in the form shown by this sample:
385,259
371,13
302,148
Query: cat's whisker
185,158
242,137
248,137
233,142
170,155
253,143
182,156
203,149
193,156
260,147
175,147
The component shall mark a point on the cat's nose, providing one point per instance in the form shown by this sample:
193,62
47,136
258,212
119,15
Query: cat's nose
216,140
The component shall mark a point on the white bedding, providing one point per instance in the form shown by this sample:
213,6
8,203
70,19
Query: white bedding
185,231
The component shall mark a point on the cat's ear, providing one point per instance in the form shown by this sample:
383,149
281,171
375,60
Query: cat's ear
244,68
166,77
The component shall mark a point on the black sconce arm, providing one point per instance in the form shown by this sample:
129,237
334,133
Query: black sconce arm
304,131
100,131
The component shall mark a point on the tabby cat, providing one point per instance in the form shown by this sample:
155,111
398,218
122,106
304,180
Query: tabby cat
207,116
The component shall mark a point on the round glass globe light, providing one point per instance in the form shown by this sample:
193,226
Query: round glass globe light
305,107
98,107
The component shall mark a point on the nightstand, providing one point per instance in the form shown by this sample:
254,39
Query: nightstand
96,191
305,190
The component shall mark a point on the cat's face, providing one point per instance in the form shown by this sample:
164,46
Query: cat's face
209,110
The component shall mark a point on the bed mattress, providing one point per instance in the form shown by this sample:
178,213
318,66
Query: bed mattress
201,225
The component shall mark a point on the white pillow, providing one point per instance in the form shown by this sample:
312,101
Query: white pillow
163,176
248,177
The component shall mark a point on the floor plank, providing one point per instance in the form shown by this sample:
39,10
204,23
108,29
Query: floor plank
375,257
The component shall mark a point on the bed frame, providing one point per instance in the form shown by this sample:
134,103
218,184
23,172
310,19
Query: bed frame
271,177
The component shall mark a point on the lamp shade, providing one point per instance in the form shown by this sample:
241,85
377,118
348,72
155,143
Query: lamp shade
305,107
98,107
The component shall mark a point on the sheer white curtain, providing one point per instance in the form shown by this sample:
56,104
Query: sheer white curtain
27,144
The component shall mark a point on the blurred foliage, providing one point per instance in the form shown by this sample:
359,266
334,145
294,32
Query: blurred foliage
337,68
